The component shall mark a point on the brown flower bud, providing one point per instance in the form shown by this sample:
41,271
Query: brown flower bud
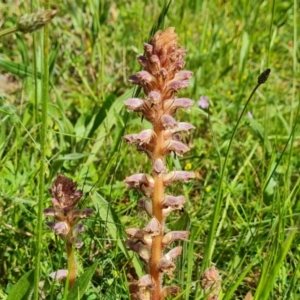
64,192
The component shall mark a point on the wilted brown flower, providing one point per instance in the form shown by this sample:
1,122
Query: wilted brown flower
211,283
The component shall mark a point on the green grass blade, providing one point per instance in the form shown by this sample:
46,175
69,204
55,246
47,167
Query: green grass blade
17,69
23,287
105,121
114,227
81,284
268,281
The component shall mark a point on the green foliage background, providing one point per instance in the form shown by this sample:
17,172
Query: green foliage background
94,44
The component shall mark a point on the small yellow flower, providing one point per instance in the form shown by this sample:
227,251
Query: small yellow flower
208,189
56,127
188,166
115,273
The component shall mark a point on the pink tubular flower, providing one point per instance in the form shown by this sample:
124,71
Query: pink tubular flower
203,102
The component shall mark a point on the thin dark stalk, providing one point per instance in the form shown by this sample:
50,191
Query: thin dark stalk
212,231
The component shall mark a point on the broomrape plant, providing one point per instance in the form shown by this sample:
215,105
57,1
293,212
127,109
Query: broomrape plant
65,198
161,79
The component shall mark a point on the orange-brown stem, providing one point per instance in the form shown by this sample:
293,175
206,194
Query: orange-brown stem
157,251
71,265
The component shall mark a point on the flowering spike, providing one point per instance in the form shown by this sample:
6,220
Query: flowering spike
65,199
161,79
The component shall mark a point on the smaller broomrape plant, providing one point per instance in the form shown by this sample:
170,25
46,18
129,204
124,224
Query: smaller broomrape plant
65,198
161,79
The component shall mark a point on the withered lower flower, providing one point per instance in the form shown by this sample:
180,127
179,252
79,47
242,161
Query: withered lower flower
211,283
161,79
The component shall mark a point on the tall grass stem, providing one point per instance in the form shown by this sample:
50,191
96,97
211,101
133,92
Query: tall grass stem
44,103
